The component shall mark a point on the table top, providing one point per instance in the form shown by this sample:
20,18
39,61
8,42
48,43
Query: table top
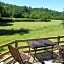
40,43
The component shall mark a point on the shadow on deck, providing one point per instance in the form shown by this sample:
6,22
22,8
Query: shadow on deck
47,56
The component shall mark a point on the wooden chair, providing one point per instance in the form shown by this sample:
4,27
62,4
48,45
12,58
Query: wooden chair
22,58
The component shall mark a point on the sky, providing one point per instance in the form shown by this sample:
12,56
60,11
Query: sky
57,5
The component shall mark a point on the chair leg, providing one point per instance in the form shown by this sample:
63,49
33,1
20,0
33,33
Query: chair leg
21,63
14,62
43,63
52,52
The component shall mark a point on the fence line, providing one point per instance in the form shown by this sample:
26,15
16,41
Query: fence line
15,42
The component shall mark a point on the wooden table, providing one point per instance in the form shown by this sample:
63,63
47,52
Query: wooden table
40,43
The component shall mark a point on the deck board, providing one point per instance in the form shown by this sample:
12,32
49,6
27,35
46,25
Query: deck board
46,56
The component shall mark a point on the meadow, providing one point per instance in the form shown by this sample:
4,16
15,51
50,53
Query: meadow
28,30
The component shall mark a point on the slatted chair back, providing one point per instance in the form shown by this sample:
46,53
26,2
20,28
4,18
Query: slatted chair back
19,57
15,53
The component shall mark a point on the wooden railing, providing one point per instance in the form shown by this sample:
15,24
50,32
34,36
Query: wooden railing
6,57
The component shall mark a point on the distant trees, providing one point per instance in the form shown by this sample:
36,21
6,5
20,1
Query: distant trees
1,10
28,12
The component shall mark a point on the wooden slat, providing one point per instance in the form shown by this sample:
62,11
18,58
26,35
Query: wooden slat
39,49
40,38
4,53
4,45
6,59
23,47
10,61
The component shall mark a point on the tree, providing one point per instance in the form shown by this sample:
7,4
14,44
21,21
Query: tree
63,19
1,11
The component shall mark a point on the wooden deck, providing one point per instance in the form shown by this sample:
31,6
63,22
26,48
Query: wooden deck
46,56
43,56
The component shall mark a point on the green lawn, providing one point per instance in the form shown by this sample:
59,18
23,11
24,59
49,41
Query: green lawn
27,30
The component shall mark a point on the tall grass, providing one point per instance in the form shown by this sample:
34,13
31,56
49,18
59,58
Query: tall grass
34,30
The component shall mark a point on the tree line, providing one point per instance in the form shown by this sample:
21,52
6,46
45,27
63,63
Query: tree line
14,11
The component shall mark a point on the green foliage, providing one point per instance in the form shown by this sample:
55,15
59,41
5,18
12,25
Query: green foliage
6,20
45,19
18,15
1,11
28,12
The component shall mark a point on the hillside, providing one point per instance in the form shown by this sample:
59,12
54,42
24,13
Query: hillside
9,10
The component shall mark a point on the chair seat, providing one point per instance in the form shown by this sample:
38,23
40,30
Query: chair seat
24,56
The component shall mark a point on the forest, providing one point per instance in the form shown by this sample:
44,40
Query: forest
14,11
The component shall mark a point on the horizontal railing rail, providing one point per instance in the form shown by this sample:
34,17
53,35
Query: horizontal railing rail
57,39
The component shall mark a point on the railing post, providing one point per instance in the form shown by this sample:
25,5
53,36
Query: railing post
58,40
16,44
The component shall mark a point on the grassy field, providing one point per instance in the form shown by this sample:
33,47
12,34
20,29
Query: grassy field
27,30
